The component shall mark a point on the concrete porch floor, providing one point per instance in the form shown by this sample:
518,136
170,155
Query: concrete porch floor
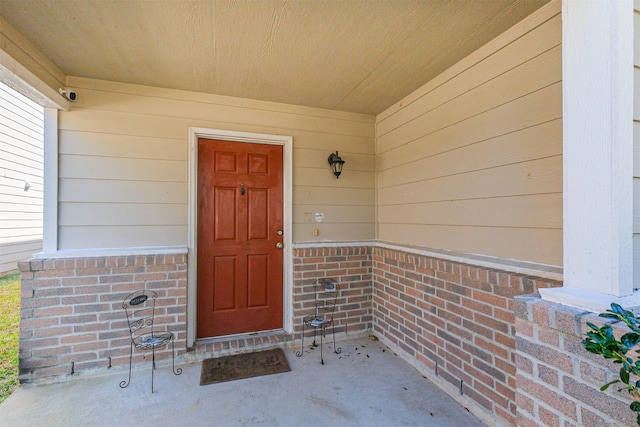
365,385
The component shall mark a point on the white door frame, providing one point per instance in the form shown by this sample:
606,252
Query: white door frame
192,268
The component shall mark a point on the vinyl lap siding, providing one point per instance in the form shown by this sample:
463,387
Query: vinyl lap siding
472,161
21,159
124,164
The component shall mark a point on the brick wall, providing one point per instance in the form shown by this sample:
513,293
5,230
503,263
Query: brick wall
71,310
558,380
351,268
459,321
458,316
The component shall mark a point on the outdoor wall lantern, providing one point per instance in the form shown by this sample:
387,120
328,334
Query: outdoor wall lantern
336,164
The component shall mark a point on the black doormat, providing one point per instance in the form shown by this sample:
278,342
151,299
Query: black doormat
247,365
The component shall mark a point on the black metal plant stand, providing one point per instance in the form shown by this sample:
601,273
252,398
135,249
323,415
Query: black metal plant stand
326,295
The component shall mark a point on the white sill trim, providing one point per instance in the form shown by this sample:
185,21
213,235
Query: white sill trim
512,266
595,302
108,252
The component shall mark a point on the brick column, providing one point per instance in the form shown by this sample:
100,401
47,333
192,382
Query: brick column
557,380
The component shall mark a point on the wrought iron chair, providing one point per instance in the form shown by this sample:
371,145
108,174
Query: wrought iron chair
326,295
140,308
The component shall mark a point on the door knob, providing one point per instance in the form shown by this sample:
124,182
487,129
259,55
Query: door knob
279,245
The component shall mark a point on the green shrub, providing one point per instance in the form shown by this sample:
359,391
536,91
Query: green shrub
601,340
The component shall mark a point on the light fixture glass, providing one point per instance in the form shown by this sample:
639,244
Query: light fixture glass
336,164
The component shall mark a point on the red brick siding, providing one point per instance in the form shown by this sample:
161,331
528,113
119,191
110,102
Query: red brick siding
558,380
71,310
351,268
456,315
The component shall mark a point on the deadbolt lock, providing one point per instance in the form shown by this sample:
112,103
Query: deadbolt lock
279,232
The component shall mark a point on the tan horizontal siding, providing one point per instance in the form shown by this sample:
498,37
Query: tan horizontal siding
517,114
446,148
133,147
124,167
344,214
111,214
531,144
541,176
317,159
535,245
315,176
337,196
472,162
88,237
120,191
535,211
509,61
354,145
249,113
539,72
333,232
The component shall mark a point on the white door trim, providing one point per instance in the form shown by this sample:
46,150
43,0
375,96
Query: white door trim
287,172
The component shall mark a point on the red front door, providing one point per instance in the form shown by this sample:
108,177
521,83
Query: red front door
240,259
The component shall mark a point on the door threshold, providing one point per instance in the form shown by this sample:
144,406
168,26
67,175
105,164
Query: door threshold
241,343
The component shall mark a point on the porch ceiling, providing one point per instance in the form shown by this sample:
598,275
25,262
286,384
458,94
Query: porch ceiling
350,55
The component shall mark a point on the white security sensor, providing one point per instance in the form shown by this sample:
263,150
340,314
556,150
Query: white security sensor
69,94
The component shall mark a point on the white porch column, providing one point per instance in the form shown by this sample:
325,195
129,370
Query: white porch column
597,73
50,217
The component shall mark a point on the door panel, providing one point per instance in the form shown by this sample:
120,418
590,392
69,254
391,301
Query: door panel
258,164
224,213
258,213
225,162
258,295
224,296
240,204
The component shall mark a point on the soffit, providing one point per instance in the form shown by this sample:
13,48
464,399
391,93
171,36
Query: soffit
349,55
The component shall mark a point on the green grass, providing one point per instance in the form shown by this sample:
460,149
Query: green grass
9,334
